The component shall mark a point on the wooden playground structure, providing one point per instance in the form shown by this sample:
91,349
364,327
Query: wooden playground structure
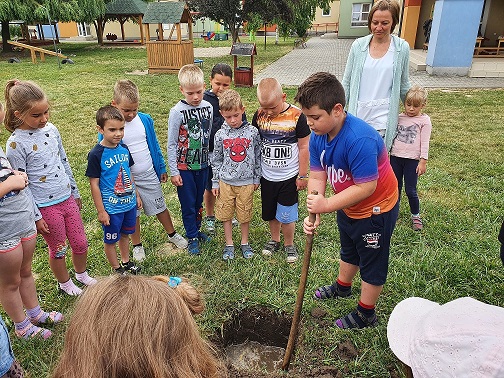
34,49
168,54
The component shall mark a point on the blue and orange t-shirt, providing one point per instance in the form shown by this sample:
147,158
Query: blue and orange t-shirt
356,155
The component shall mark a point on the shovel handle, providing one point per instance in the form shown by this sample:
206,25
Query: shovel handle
300,294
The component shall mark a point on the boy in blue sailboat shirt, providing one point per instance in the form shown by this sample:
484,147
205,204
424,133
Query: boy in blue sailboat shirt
112,187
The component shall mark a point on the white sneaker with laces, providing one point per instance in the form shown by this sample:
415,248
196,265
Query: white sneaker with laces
138,253
178,240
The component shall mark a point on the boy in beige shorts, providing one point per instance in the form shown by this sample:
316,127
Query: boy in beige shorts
236,166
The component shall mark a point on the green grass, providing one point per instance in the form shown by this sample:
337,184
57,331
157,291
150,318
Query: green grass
456,255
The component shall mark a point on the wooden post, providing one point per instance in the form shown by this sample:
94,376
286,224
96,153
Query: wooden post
142,36
122,21
189,29
147,32
160,31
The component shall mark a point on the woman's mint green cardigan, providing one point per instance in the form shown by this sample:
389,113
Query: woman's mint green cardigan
400,80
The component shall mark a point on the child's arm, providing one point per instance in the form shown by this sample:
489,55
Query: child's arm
154,148
304,157
216,162
103,216
318,203
18,160
350,196
68,169
174,122
257,161
137,195
425,134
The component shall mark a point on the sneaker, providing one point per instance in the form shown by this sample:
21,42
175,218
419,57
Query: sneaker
203,237
178,240
193,246
291,252
120,270
228,252
138,253
210,224
270,247
246,251
131,267
235,222
416,223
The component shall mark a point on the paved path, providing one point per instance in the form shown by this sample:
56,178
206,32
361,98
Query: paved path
330,54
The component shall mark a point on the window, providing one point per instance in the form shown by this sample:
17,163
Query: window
360,14
326,12
83,29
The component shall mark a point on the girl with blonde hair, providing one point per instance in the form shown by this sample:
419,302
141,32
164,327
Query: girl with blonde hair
136,326
35,147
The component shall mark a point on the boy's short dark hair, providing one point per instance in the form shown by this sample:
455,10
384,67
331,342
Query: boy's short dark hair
221,69
106,113
322,89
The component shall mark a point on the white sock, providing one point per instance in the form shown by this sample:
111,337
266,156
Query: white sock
84,278
70,288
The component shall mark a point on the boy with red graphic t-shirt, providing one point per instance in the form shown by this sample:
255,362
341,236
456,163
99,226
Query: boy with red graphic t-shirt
349,154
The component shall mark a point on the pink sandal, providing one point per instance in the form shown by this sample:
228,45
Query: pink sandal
53,318
31,331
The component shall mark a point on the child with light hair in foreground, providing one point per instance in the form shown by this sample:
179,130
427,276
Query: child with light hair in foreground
112,336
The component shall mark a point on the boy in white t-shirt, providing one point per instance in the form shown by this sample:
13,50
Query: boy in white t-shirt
149,170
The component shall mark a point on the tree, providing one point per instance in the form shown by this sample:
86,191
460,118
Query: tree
232,13
227,12
36,11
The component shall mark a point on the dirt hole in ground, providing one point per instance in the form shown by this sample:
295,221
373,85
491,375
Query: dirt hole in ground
254,340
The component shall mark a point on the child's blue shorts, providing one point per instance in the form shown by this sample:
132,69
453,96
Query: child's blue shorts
366,243
121,223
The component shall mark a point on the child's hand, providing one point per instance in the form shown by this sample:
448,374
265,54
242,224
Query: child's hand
139,202
104,218
18,181
301,184
309,227
42,227
316,203
176,180
421,167
256,186
78,201
215,192
163,178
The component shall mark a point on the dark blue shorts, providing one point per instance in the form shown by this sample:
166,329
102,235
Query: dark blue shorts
366,243
121,223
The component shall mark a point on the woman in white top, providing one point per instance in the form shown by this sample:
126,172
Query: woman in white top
376,76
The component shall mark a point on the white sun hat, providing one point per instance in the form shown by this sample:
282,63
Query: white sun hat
462,338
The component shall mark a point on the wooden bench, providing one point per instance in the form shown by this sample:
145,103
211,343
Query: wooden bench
34,50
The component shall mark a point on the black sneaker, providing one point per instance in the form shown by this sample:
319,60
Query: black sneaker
120,270
270,247
131,267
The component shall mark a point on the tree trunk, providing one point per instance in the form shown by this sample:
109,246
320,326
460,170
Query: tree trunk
233,30
5,37
99,25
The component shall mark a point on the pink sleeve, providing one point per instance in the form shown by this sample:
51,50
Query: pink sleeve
425,133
